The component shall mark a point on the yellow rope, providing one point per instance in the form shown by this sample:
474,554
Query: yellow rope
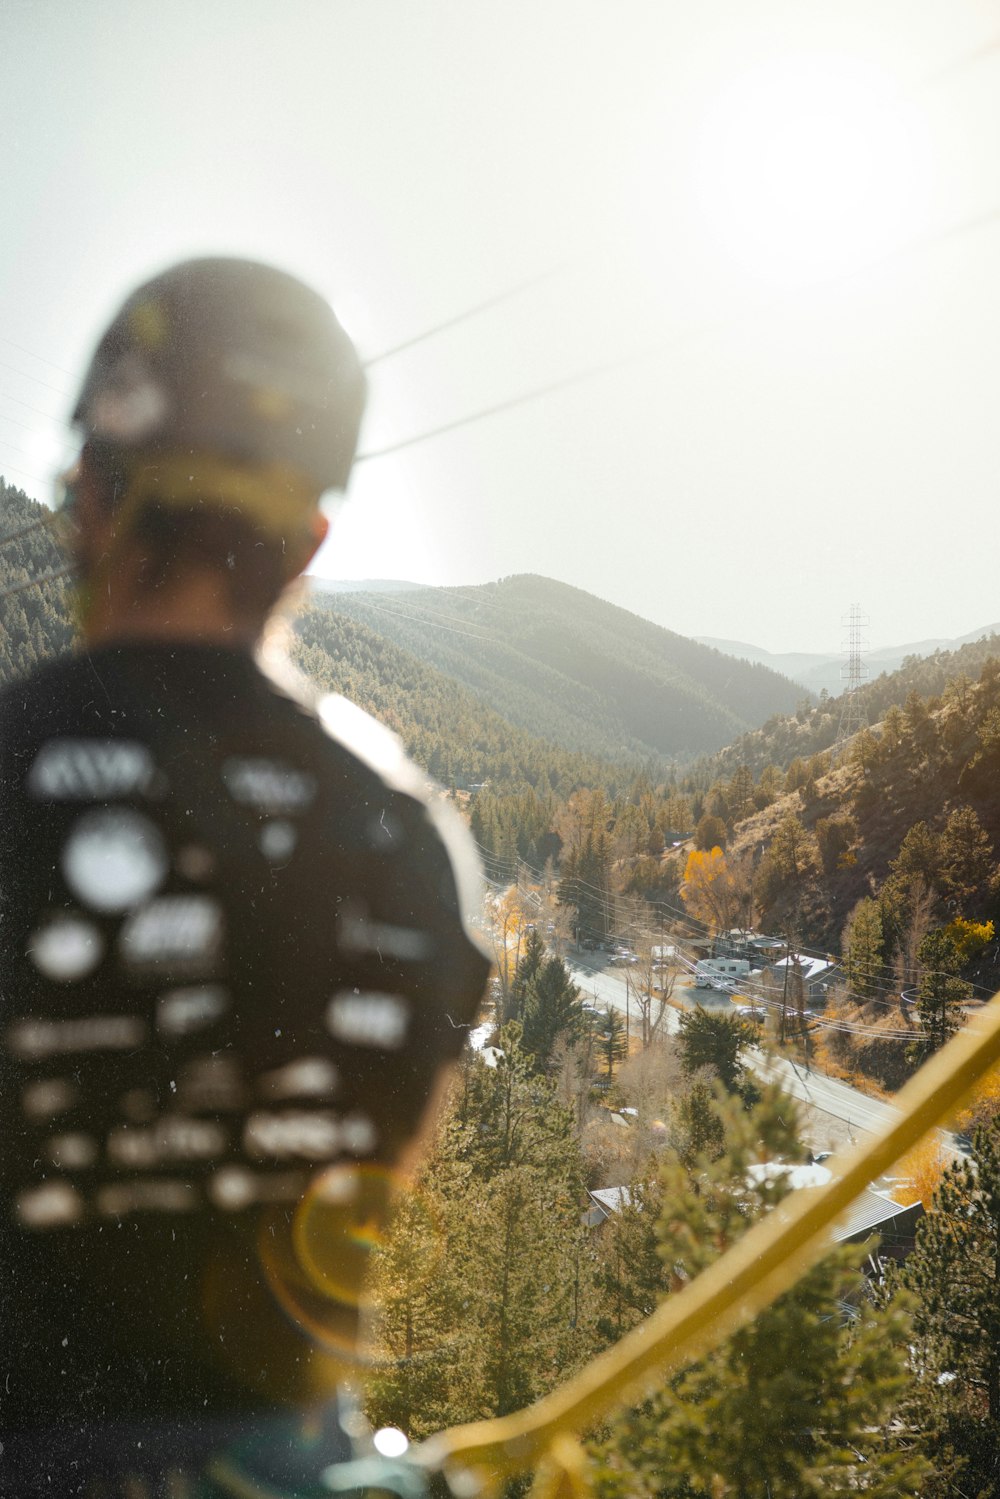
749,1277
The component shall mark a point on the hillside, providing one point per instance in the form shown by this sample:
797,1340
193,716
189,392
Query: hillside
572,669
817,839
811,730
35,623
825,673
933,765
444,726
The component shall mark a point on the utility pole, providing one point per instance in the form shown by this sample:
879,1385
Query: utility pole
784,992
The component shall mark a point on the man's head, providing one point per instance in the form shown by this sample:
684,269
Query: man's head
222,401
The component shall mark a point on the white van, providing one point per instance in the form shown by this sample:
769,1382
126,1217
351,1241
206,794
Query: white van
720,973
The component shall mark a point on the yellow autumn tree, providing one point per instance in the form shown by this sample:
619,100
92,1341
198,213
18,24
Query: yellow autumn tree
509,926
715,890
970,938
983,1106
920,1171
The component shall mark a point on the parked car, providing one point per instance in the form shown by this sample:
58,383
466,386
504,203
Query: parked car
623,957
753,1013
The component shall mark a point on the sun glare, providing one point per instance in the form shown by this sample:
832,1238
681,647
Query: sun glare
808,167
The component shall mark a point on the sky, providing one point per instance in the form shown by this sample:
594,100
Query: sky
746,250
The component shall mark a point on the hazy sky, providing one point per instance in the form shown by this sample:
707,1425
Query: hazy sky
778,223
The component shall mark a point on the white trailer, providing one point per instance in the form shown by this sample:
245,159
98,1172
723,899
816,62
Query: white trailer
720,973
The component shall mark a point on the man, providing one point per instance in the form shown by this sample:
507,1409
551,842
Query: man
235,961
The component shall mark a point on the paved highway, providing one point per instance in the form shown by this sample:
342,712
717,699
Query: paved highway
858,1111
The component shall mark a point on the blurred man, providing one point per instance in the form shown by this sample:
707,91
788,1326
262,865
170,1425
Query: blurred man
235,960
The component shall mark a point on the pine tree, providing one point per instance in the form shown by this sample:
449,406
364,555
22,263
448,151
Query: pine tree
484,1292
953,1276
613,1042
528,964
629,1274
791,1405
551,1009
715,1039
696,1130
940,995
966,858
586,884
864,950
422,1333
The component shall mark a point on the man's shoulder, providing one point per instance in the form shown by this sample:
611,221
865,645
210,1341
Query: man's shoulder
42,694
40,678
374,749
356,738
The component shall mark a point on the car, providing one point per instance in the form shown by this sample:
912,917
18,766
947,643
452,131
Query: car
752,1012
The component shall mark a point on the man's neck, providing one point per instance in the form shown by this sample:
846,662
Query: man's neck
197,610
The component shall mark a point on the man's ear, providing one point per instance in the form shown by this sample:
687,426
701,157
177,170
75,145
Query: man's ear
314,537
90,518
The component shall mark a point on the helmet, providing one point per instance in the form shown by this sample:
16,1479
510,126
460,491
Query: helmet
232,360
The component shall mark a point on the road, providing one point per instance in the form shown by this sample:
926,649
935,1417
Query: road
856,1109
608,987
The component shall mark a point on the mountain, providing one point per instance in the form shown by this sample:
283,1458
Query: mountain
35,620
361,585
810,731
574,670
445,727
907,813
818,672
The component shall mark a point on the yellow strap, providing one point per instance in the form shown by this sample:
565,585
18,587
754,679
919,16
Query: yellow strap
277,499
749,1277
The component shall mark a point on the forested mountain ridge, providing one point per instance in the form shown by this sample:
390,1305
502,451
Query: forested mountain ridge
445,727
915,797
825,672
35,623
812,729
575,670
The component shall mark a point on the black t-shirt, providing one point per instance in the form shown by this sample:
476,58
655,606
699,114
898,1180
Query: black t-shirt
234,956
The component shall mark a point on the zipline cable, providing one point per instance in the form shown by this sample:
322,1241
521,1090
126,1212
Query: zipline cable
466,316
975,224
51,577
35,525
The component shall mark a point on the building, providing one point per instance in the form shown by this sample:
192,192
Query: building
800,978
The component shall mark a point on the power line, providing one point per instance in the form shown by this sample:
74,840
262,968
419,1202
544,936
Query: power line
28,407
51,577
464,317
425,617
32,355
956,65
960,64
964,227
35,378
565,383
12,468
43,520
28,426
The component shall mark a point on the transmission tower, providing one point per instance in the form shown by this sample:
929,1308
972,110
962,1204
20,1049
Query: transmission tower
853,672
